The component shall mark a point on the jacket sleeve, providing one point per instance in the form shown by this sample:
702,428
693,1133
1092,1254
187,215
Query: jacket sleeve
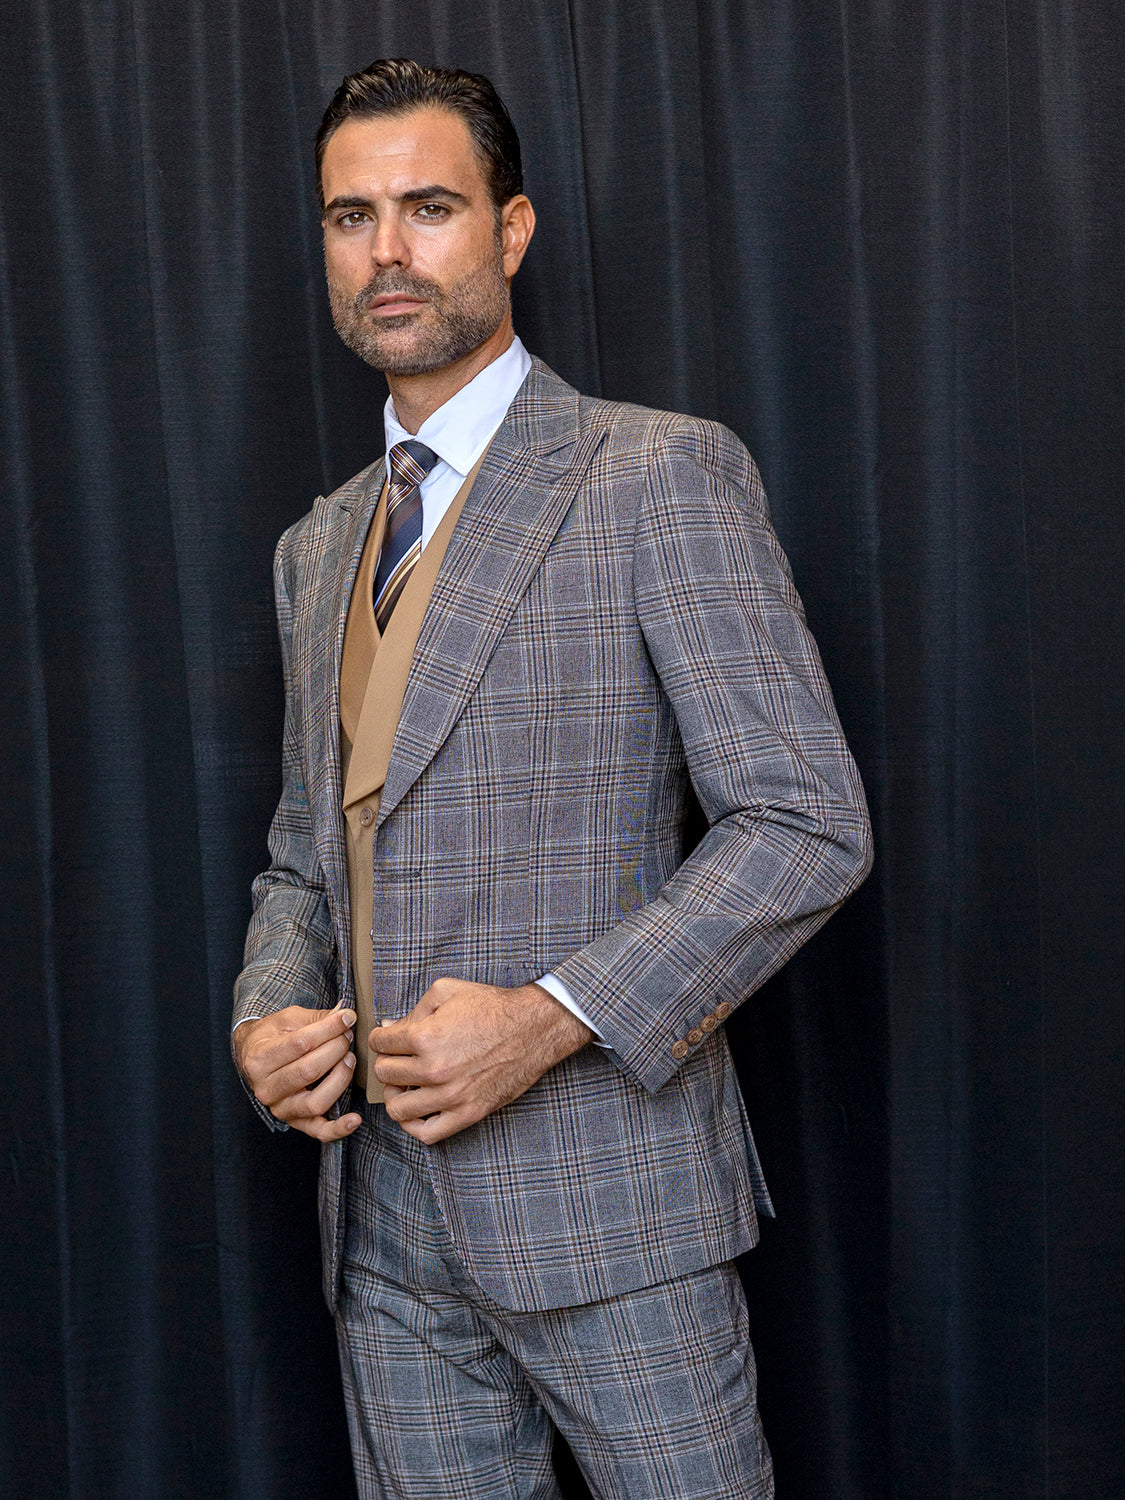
789,836
290,953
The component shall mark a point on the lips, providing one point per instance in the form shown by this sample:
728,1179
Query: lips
390,301
395,302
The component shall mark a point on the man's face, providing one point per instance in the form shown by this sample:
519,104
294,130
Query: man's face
416,263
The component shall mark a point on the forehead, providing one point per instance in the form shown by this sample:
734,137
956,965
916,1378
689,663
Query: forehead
390,154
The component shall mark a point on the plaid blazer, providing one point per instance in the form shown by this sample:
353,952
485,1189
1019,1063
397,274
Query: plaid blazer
613,616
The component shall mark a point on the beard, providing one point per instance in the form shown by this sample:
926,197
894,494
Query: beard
458,320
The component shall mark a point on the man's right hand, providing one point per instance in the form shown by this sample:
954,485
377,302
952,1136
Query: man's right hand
298,1062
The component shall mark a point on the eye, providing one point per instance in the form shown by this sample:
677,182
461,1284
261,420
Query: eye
432,212
353,218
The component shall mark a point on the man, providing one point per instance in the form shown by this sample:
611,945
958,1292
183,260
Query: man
504,660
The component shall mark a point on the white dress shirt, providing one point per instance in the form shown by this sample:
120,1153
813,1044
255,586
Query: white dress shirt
458,433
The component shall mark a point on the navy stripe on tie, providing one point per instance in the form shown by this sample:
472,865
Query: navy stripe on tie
408,464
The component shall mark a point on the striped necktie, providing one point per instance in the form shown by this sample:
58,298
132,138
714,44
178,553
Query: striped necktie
409,463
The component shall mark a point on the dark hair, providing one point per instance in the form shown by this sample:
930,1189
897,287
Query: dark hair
397,86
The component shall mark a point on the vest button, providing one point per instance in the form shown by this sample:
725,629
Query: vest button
366,817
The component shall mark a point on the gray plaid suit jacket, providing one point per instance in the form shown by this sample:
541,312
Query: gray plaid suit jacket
613,616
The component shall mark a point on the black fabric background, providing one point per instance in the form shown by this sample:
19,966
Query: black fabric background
882,242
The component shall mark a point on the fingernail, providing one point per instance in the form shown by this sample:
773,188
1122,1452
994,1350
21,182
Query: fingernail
348,1017
350,1059
350,1035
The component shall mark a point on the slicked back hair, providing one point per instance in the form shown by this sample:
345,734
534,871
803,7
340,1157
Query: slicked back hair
397,86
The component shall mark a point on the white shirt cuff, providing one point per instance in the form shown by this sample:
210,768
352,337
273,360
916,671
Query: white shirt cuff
554,986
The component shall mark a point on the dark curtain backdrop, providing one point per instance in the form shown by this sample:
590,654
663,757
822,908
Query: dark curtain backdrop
880,240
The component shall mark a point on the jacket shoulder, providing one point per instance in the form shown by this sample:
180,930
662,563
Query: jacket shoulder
676,431
669,446
549,402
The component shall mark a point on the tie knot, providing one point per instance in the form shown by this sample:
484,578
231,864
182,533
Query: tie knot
410,462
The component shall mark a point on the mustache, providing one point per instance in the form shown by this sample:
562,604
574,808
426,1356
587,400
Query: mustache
400,283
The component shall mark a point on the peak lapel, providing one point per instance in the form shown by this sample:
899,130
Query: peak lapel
530,477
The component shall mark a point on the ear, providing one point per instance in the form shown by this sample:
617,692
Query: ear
517,225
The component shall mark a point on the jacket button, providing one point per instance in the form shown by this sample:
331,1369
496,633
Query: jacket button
708,1023
694,1036
723,1011
366,817
679,1049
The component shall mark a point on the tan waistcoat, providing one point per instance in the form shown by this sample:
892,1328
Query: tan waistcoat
373,675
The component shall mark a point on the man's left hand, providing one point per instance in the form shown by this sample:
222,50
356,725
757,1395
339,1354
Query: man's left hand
466,1050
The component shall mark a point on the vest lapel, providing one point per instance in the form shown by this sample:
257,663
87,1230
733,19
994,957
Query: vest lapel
371,716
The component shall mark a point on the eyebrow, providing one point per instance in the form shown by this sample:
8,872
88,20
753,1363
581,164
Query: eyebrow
414,195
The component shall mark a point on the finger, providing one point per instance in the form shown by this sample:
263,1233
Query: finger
393,1038
415,1104
295,1041
302,1076
406,1071
308,1104
273,1072
320,1099
306,1072
441,1126
322,1129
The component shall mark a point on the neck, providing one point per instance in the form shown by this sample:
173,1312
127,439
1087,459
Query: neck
417,397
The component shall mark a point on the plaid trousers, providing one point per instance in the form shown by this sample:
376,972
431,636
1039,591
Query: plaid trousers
450,1394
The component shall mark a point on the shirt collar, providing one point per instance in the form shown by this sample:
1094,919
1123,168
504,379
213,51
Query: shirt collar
459,431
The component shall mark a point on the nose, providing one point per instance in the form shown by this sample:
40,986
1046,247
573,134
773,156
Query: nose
389,246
